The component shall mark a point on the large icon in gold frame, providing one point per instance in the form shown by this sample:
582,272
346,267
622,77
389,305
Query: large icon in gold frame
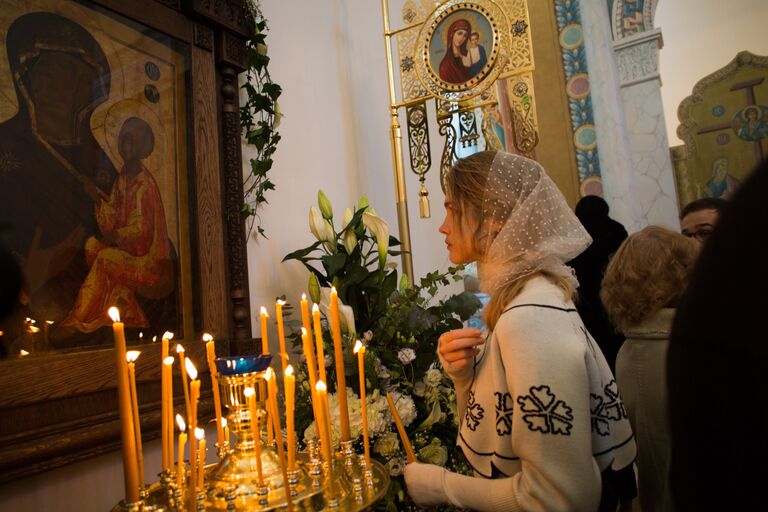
461,49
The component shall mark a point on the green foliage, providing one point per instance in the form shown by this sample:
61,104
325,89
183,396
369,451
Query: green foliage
259,119
394,317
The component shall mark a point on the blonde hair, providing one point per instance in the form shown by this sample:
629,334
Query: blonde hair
465,184
648,273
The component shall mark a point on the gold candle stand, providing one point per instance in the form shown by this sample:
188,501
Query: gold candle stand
232,483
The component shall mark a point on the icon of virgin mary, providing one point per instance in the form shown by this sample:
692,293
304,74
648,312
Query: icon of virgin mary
452,68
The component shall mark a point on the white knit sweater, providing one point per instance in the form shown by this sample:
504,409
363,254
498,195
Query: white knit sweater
542,413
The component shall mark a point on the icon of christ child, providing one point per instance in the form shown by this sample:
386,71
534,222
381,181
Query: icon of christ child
133,253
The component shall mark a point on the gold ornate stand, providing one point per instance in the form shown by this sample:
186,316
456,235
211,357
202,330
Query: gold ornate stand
232,484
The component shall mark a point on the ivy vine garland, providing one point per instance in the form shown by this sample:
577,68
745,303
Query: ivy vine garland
259,118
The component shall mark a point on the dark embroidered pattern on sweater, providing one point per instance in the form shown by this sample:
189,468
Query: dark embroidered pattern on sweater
474,412
504,406
599,420
544,413
613,405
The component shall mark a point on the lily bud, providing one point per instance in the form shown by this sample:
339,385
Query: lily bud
325,205
314,288
380,231
404,282
350,241
347,218
363,203
317,224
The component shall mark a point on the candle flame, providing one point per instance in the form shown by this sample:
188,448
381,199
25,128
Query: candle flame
154,339
289,371
268,374
168,360
114,314
320,386
179,348
263,311
333,290
49,322
358,346
303,331
141,335
281,302
207,337
191,370
315,307
1,333
180,423
23,353
249,392
132,355
33,329
223,422
199,434
303,296
168,335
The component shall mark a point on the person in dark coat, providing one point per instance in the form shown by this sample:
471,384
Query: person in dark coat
717,366
607,235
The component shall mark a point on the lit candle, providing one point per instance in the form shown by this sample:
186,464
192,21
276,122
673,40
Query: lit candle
338,355
409,455
131,357
166,384
200,435
182,442
319,342
250,394
281,333
130,469
211,352
290,407
360,351
321,392
163,405
23,353
305,321
271,379
194,395
184,382
264,332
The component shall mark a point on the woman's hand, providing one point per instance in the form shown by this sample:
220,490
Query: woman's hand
426,484
457,350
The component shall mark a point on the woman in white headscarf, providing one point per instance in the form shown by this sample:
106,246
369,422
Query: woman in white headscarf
540,415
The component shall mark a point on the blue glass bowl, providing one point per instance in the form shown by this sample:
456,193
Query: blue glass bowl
240,365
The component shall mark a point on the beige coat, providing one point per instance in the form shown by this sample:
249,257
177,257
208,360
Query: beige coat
641,373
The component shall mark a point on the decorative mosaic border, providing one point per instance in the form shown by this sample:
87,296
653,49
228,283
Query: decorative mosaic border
577,87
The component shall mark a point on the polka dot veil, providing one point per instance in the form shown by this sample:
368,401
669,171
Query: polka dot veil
526,225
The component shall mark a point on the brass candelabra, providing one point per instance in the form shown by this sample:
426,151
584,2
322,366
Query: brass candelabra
345,483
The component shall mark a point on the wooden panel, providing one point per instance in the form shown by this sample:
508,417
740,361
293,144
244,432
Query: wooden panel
210,228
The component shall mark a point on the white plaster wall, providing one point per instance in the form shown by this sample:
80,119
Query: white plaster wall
700,37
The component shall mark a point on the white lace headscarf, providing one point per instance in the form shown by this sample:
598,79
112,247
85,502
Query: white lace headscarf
525,225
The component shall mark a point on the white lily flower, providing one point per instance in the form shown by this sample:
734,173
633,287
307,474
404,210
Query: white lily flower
346,315
380,230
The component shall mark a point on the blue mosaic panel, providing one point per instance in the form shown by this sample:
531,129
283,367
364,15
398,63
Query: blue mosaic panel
568,15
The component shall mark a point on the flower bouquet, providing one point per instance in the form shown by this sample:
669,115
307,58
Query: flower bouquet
400,323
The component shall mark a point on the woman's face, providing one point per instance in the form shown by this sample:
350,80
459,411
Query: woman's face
459,37
459,230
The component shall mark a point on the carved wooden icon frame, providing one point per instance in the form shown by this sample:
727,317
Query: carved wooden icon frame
60,408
